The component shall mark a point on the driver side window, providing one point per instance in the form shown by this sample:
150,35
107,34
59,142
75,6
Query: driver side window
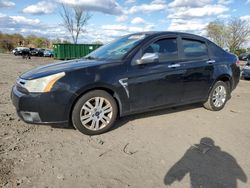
166,49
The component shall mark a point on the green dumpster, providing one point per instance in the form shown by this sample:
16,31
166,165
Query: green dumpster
73,51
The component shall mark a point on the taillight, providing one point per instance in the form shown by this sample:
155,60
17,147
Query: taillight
238,62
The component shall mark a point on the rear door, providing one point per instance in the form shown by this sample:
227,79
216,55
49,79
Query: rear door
199,69
156,84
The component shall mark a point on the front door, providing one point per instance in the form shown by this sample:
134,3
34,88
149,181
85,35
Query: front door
156,84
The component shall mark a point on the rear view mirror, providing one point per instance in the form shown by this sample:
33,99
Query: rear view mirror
148,58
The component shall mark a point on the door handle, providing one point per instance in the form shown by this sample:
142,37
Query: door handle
174,66
210,62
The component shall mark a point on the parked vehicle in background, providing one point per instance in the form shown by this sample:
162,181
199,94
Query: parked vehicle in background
246,71
135,73
244,56
19,50
40,52
14,51
48,53
34,51
25,53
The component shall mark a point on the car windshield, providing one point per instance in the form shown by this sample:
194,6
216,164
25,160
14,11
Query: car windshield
116,49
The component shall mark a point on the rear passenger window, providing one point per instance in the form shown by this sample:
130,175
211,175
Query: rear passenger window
166,48
194,49
216,50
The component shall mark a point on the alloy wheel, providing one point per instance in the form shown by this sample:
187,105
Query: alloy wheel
219,96
96,113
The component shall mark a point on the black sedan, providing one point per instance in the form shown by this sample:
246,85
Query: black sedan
135,73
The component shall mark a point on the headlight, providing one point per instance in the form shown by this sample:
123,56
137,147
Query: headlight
43,84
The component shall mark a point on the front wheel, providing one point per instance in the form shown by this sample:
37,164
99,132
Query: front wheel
94,113
218,96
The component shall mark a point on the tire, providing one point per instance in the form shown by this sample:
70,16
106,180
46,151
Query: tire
92,119
211,104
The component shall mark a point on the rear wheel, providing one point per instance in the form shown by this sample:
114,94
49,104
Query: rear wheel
218,96
94,113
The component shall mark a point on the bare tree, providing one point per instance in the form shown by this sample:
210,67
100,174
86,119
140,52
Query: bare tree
231,34
238,33
74,20
216,31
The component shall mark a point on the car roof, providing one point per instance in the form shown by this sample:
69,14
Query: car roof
156,33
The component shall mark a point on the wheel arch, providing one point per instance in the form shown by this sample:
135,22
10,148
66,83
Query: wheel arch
106,88
227,79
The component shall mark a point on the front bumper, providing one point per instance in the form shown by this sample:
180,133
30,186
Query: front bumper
42,108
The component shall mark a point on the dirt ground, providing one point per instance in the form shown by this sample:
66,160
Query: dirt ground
156,149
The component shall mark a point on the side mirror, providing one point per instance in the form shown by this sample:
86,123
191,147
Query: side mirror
148,58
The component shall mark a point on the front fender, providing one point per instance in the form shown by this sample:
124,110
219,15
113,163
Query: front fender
118,93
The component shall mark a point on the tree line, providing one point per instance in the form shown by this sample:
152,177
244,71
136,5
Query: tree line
10,41
232,34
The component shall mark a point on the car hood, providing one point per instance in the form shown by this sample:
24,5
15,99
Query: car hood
63,66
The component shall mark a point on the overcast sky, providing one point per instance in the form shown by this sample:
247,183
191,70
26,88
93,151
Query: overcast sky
113,18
